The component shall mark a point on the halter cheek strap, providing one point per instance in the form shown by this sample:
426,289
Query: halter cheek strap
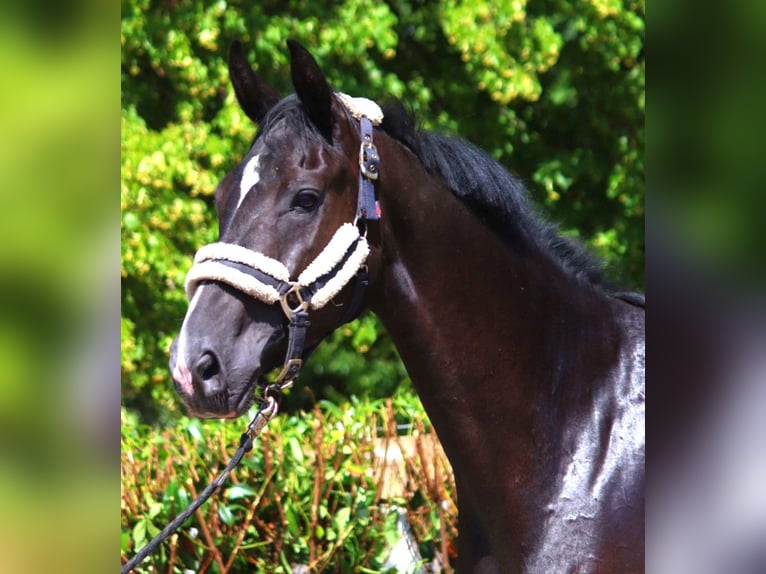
369,163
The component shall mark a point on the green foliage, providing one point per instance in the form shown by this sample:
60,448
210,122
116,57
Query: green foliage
552,89
311,492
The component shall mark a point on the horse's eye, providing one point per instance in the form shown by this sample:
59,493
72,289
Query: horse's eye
306,199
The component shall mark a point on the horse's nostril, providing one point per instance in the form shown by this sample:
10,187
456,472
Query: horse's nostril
207,366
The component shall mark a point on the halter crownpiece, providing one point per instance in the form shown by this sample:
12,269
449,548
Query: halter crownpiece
369,114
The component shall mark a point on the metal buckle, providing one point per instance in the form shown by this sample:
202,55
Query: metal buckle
369,159
295,289
284,381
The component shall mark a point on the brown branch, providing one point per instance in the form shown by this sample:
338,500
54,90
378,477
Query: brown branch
205,564
211,547
318,475
188,457
173,550
444,538
248,519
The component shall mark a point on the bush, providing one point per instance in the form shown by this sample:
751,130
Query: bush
315,490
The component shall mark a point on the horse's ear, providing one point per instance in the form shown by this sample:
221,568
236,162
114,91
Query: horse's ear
311,87
254,95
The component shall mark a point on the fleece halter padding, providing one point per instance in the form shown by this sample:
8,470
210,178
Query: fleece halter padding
361,107
267,279
209,266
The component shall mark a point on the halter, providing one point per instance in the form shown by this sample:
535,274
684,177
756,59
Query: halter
342,260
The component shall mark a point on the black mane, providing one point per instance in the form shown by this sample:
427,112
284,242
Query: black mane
494,195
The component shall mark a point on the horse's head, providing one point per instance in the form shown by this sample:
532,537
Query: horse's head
283,246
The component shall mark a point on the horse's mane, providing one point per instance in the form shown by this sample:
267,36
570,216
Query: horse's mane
494,195
291,111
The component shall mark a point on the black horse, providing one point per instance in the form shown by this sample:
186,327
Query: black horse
530,367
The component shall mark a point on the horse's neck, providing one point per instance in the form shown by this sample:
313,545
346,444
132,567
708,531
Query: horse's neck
489,336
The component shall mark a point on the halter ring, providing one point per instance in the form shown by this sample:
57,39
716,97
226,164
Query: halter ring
295,289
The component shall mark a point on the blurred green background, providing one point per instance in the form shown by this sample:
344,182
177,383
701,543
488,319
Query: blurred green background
554,90
59,260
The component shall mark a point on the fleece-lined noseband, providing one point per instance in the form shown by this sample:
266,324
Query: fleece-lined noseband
340,262
268,280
